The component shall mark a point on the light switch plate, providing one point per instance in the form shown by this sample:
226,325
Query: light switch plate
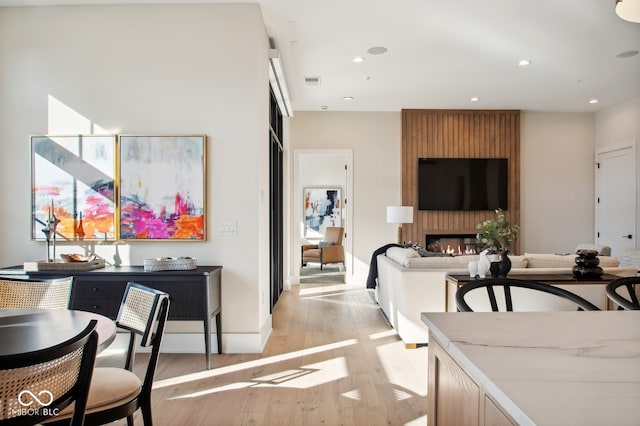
227,228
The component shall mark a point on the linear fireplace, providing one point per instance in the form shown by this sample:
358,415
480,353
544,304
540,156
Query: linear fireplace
454,244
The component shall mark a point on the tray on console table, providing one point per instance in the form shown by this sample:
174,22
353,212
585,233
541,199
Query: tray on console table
43,265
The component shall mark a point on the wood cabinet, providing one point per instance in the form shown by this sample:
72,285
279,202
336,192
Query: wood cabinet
194,294
456,399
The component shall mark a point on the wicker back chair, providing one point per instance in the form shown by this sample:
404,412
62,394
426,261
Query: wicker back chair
629,301
143,312
35,386
35,294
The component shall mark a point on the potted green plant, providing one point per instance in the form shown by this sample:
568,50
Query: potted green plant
496,236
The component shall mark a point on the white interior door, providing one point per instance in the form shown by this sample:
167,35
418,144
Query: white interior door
616,198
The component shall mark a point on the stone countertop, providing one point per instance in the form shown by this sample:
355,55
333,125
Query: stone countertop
550,368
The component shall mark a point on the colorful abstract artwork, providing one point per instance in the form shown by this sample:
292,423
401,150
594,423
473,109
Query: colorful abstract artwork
322,208
72,179
162,193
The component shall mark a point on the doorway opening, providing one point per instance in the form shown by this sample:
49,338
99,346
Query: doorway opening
322,182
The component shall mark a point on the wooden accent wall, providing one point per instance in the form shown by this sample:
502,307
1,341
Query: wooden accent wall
457,134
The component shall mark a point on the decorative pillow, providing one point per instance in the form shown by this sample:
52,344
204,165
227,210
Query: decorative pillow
608,261
325,244
442,263
518,261
543,260
401,255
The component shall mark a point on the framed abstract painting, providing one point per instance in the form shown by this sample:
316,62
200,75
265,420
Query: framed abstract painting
162,187
322,207
72,181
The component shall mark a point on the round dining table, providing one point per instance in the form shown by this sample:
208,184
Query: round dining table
30,330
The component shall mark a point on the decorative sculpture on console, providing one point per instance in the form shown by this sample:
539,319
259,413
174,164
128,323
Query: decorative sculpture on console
50,233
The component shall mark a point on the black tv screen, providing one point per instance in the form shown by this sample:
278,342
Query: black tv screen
463,183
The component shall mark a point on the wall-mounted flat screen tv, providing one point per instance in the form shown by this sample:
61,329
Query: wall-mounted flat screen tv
463,183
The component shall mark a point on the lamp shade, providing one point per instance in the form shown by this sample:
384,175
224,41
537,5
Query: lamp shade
629,10
399,214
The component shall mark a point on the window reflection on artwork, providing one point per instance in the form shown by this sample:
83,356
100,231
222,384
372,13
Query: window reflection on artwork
162,194
73,178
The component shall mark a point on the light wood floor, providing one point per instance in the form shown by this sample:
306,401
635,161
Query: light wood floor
331,360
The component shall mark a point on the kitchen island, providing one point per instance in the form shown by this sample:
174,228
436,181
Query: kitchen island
534,368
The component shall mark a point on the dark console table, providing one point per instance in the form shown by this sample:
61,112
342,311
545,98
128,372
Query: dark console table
194,294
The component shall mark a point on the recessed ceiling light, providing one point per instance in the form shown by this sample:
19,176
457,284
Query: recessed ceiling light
474,99
377,50
358,59
348,98
593,101
627,54
524,62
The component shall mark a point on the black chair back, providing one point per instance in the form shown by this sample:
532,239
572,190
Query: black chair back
506,285
630,301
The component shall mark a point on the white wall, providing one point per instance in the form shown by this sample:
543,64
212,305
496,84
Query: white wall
619,125
557,181
161,69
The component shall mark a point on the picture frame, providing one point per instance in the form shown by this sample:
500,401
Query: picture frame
73,182
162,187
322,207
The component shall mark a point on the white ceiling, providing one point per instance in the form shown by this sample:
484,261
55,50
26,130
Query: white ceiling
442,53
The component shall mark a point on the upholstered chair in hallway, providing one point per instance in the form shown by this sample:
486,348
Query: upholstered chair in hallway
329,250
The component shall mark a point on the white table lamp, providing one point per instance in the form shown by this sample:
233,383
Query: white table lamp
400,215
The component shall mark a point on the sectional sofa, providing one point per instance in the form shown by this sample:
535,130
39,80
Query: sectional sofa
408,284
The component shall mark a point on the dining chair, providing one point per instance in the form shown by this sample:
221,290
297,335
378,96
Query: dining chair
35,294
117,393
465,292
35,386
631,302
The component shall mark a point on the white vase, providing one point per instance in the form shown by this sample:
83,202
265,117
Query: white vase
473,268
483,264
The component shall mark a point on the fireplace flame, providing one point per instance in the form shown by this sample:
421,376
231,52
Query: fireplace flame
459,251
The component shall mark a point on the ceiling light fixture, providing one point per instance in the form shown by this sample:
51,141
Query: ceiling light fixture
593,101
348,98
377,50
524,62
358,59
629,10
474,99
627,54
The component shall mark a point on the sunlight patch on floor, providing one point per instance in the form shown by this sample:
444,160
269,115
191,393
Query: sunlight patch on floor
310,289
250,364
411,376
383,334
353,394
420,421
305,377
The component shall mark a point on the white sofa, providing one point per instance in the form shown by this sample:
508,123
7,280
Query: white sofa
408,284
